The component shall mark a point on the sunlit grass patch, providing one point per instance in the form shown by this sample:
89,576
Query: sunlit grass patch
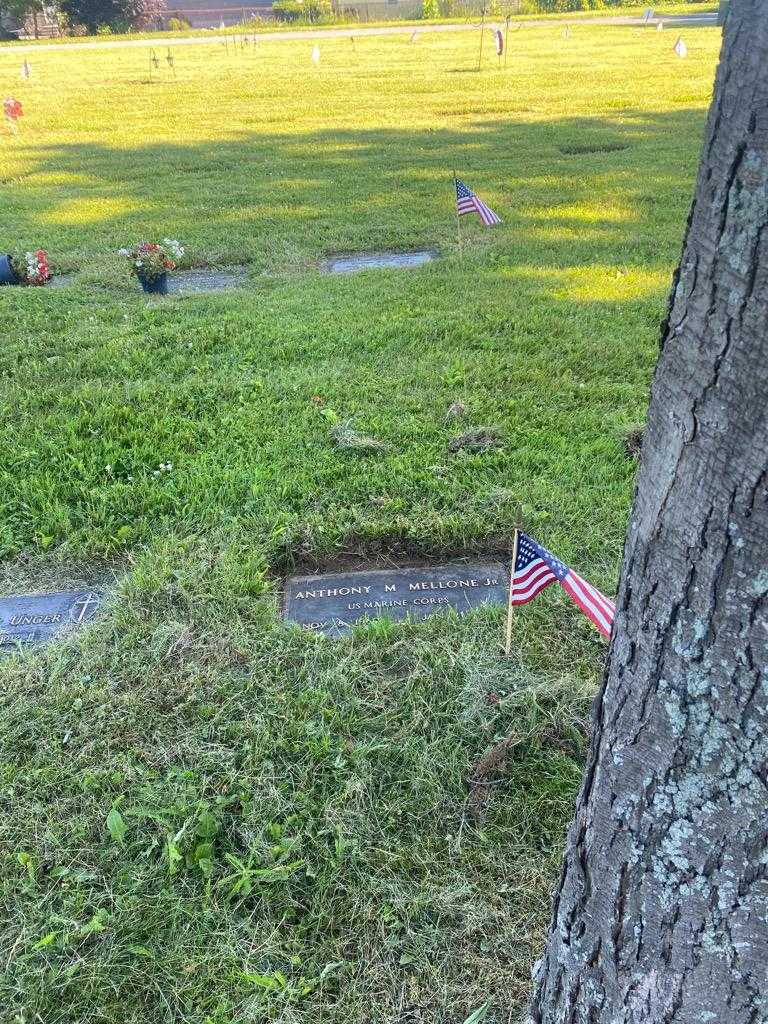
88,210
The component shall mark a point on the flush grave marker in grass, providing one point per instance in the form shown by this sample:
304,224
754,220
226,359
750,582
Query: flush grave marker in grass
27,619
332,604
198,282
184,282
61,281
350,263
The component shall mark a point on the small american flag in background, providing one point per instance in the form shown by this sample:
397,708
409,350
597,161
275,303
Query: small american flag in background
536,568
468,202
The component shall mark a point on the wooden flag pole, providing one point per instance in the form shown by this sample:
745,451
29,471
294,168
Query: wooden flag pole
458,218
510,606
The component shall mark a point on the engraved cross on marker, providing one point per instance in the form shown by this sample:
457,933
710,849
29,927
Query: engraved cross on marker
84,606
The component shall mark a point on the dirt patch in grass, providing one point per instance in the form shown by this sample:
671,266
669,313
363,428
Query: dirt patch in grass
391,555
582,148
481,110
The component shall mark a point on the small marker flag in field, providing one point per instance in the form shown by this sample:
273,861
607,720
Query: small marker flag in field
468,202
316,55
499,39
680,48
536,568
26,70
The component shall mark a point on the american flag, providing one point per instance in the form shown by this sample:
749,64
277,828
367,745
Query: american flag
536,568
468,202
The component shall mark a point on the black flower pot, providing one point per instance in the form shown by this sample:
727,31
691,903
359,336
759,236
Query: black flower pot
7,274
155,285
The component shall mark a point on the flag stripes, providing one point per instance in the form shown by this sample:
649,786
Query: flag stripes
468,202
537,568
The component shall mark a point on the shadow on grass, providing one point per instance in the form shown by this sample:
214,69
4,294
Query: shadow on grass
548,323
280,201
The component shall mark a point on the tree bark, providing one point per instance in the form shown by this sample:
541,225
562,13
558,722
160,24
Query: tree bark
661,914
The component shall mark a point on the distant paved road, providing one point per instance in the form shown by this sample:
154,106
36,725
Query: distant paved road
345,33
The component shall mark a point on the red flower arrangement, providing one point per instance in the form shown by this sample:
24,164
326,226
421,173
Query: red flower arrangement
12,109
150,260
32,268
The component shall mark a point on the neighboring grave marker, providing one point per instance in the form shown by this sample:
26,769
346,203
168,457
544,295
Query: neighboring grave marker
186,282
349,263
332,604
198,282
27,619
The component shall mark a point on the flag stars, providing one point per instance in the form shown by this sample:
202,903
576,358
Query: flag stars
536,568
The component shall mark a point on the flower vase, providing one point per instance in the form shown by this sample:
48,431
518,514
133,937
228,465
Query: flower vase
7,274
155,285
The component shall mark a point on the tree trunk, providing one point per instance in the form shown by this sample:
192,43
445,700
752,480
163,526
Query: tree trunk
661,914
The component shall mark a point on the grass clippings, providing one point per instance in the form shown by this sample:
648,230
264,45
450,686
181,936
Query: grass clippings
482,439
348,439
633,442
481,777
455,411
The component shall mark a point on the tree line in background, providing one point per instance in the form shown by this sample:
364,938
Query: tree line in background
77,17
322,11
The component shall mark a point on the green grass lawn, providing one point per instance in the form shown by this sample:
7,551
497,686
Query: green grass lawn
207,817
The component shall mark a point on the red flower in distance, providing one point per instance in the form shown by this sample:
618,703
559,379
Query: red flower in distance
12,109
